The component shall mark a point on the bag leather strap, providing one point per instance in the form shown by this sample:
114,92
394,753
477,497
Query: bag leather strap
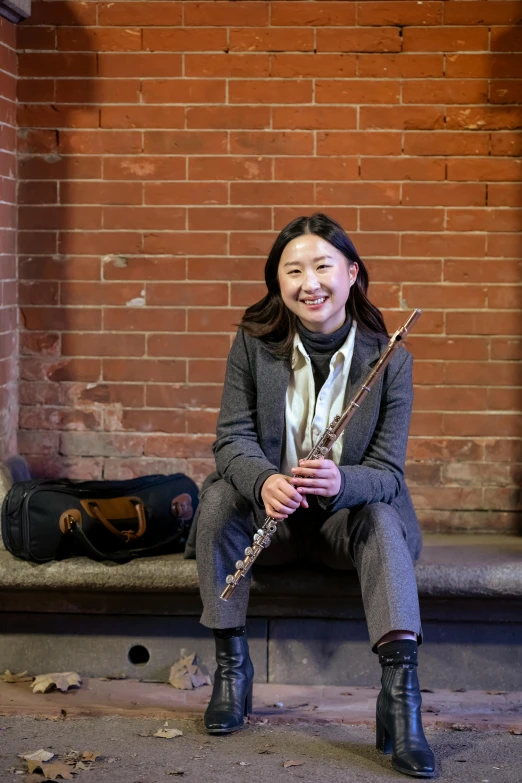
127,535
126,554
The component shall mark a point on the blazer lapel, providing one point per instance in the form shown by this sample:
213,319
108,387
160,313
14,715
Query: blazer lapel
271,402
356,434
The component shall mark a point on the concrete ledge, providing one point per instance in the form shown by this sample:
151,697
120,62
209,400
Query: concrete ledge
450,565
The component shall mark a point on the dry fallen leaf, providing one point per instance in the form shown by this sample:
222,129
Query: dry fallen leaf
168,733
61,680
56,770
36,755
460,727
517,732
9,677
88,755
185,674
293,763
176,772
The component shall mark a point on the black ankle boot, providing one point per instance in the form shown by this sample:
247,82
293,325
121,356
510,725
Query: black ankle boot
231,697
399,722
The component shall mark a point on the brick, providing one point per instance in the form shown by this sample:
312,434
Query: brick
30,292
227,65
229,168
358,143
56,64
59,419
69,167
186,39
436,398
481,271
187,294
504,245
446,91
481,12
510,350
99,142
140,14
97,91
359,193
401,219
504,399
476,65
34,442
271,142
154,421
251,243
445,244
401,117
140,64
98,345
52,268
476,424
505,92
444,449
504,195
487,219
98,39
506,143
144,168
505,450
314,117
41,116
271,91
485,170
188,346
153,370
500,297
184,243
62,318
202,422
260,193
481,117
35,91
65,369
445,39
76,468
227,269
357,91
446,143
483,373
103,444
32,141
483,322
505,39
355,39
502,498
143,268
168,396
228,219
149,319
403,65
448,349
228,117
99,293
447,497
185,193
63,12
101,193
443,194
185,142
43,344
205,370
225,14
55,217
183,91
317,169
271,39
445,296
214,320
102,242
148,218
313,65
142,117
430,169
323,14
180,446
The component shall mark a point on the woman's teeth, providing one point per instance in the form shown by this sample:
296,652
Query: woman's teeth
315,301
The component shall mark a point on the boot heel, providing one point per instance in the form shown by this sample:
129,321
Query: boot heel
382,738
248,702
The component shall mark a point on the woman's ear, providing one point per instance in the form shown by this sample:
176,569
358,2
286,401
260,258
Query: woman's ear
353,271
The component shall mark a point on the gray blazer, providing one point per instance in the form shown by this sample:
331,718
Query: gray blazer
249,437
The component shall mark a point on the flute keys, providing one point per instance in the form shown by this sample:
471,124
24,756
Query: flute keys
249,551
272,527
240,565
229,580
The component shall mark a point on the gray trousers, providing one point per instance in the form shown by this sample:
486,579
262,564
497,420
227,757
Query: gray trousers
371,538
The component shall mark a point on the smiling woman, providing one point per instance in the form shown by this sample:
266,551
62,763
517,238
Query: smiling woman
297,354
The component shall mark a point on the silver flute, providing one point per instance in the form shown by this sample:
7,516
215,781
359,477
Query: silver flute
264,535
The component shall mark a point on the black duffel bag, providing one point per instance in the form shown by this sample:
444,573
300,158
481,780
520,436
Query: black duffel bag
46,520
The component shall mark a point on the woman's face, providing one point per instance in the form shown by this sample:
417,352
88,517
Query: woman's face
315,281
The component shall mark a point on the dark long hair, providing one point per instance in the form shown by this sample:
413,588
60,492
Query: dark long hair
271,320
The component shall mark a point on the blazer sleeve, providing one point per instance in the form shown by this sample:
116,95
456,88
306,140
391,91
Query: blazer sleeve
379,477
238,454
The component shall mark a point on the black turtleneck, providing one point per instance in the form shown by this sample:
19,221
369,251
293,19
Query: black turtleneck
321,347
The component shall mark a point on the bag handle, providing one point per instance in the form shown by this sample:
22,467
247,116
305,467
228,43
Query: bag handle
75,529
127,535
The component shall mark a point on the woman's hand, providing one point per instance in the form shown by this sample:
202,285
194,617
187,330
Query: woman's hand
322,477
280,498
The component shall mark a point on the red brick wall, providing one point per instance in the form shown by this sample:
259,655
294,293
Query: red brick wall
8,336
163,146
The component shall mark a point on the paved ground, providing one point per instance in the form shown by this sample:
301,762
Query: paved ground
330,730
330,753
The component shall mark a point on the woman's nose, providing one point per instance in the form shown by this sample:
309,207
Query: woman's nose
311,282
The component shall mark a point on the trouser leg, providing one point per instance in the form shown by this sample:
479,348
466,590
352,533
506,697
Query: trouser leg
224,530
374,539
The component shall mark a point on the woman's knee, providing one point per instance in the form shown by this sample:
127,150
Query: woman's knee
219,505
379,519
